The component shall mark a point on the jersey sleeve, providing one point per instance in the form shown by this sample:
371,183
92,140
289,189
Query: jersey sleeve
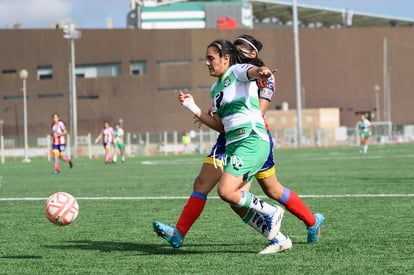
61,125
240,71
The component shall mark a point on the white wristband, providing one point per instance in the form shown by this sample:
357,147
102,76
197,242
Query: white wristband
191,106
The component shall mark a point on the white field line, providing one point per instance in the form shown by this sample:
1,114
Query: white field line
212,197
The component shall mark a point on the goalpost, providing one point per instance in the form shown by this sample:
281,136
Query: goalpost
381,131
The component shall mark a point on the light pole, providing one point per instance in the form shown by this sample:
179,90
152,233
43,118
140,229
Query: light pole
23,76
297,73
377,88
71,33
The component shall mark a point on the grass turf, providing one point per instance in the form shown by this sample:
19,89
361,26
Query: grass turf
368,230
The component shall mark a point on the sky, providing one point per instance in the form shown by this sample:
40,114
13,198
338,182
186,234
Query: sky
95,13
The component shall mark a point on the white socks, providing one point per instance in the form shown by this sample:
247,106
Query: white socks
248,200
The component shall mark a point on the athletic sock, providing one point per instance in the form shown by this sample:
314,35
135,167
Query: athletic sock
256,221
249,200
57,166
295,205
191,211
67,159
108,158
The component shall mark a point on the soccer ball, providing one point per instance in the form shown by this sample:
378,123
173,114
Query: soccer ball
61,208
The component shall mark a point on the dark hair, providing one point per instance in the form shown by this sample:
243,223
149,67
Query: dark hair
251,44
224,47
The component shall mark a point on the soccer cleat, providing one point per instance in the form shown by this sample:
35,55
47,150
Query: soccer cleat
57,172
168,233
70,164
274,222
279,244
314,232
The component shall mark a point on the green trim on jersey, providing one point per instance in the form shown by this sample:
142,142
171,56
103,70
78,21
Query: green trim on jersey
235,101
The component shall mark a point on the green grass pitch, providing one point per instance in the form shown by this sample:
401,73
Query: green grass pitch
368,202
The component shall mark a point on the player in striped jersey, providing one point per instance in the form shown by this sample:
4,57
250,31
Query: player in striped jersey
107,136
59,142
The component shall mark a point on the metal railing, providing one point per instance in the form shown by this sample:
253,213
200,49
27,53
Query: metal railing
146,144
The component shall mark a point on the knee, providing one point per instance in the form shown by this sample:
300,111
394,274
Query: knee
202,185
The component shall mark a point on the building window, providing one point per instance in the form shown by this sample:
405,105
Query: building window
9,71
138,67
44,72
88,97
98,70
55,95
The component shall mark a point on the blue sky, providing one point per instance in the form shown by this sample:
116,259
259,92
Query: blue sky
94,13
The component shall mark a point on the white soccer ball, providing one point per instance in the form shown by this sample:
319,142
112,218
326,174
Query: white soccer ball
61,208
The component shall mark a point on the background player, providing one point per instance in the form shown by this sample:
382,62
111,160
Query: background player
107,136
119,143
364,126
59,142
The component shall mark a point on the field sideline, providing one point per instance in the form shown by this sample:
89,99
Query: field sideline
367,201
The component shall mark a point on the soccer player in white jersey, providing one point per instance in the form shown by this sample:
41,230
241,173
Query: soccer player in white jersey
364,126
107,136
237,113
59,142
119,143
247,50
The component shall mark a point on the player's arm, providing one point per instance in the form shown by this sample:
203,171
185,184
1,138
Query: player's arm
266,92
64,132
261,73
212,121
99,137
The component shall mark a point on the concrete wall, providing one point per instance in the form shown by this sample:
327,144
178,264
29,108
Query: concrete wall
340,68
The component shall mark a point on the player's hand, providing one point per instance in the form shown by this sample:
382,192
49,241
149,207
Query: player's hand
264,74
187,101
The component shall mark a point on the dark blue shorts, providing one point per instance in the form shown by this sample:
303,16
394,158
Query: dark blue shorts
59,147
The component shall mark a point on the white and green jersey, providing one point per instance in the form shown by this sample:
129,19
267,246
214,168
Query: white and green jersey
235,101
363,125
118,135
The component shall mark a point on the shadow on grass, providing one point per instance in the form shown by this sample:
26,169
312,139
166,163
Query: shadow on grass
111,246
21,257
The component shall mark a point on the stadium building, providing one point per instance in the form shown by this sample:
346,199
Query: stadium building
134,73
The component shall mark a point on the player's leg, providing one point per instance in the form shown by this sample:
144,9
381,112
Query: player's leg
243,160
257,221
122,150
203,184
361,143
63,157
294,204
108,157
365,149
55,151
116,151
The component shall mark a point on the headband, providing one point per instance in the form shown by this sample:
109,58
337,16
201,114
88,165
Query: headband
248,42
